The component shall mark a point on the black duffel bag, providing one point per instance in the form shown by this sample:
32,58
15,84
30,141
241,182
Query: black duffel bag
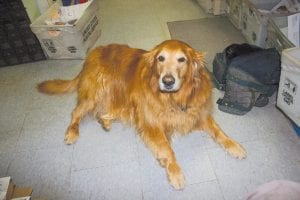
248,75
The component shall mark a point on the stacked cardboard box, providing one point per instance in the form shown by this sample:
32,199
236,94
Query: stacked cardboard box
70,38
257,20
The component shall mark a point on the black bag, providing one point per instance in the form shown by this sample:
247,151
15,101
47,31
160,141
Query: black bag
248,75
222,61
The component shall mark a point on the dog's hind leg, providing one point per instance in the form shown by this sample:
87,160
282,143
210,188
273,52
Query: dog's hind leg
230,145
161,148
83,107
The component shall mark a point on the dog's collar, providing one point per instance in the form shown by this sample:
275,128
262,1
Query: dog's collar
183,108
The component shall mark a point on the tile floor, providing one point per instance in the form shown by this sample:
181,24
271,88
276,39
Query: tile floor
115,164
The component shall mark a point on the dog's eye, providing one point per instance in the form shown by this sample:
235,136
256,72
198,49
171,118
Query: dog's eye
182,59
161,58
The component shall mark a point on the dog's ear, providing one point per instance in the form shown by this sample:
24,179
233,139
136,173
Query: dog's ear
150,56
198,59
198,62
150,61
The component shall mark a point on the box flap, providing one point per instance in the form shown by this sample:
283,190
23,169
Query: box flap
22,192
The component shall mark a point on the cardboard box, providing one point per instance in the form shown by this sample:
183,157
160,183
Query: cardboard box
277,34
256,16
216,7
68,41
234,13
9,191
288,99
254,23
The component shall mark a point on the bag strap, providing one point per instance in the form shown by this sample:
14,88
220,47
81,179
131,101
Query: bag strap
257,86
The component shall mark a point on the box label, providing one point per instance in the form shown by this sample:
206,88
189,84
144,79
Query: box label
72,49
89,29
289,91
49,45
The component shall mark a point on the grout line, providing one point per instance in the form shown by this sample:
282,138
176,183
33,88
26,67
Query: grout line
16,144
217,180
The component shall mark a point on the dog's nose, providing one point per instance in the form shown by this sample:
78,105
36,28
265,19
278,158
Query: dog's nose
168,80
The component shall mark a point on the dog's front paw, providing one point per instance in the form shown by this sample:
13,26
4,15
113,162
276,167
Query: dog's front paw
235,149
175,176
106,124
105,121
71,136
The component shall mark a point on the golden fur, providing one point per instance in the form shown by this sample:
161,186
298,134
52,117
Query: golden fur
160,92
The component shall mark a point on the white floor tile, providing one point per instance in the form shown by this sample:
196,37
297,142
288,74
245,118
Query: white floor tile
97,148
206,191
120,181
191,157
46,171
5,158
44,128
13,107
266,160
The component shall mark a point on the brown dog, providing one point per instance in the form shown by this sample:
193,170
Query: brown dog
159,92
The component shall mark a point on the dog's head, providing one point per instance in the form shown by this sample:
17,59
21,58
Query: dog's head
174,62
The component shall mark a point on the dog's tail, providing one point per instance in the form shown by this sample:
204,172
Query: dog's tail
58,86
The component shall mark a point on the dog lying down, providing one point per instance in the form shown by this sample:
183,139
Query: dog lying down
160,92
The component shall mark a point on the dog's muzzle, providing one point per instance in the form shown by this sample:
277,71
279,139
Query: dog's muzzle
168,83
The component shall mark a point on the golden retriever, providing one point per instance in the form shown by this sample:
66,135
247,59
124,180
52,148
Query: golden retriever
160,92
